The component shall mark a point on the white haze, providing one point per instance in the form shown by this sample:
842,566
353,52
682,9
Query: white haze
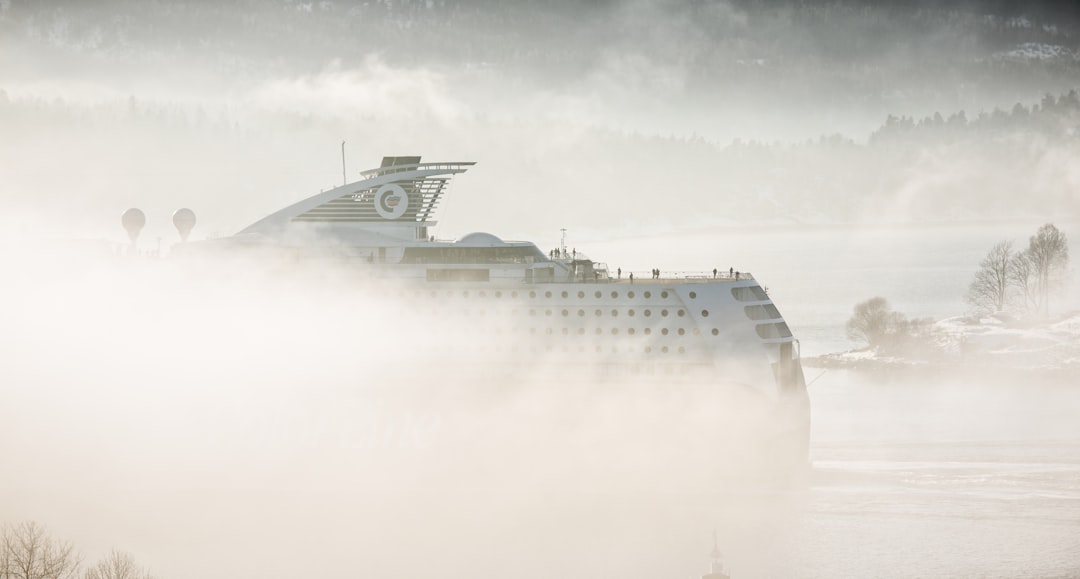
226,421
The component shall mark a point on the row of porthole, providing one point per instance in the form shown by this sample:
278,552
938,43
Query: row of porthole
615,313
615,331
532,294
614,349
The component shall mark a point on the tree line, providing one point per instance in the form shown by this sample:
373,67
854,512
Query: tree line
1021,281
27,551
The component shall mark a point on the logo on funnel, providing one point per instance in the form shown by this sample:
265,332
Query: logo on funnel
391,201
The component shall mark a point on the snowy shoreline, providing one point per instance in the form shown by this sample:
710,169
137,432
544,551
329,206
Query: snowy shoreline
964,344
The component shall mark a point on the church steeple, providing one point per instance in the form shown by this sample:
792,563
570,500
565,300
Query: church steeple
716,568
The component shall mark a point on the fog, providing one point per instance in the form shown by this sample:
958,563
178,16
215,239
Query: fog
231,419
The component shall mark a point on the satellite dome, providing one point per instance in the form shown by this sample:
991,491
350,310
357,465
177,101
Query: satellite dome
480,239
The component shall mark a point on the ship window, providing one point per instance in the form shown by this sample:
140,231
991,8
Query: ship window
630,313
580,331
498,294
513,294
749,294
682,313
663,313
483,294
565,331
704,313
648,313
693,295
648,349
565,313
532,294
581,313
532,312
664,349
682,332
532,330
614,331
715,332
663,294
580,295
598,330
547,312
697,332
599,313
630,331
630,295
547,294
434,294
548,331
778,330
648,295
664,331
614,313
682,350
598,294
465,294
614,294
765,312
565,295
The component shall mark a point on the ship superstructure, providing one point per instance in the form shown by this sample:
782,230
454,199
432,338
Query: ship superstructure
720,325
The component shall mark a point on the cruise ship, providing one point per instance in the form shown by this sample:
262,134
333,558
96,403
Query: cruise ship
718,328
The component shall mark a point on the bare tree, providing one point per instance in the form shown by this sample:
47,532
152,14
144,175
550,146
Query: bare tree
1048,251
874,322
1022,276
29,553
117,565
989,291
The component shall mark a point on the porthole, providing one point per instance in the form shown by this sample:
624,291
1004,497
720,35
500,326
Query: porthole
483,294
598,331
599,313
648,313
614,331
663,313
630,331
598,294
648,349
581,295
449,293
664,349
532,330
715,332
682,332
465,294
697,332
532,294
614,294
565,295
614,313
580,331
648,295
663,294
565,331
682,350
681,313
532,312
548,331
630,313
565,313
693,295
664,331
704,313
434,294
630,295
513,294
498,294
547,294
648,331
547,312
581,313
599,349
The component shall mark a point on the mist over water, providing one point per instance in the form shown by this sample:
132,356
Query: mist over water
233,419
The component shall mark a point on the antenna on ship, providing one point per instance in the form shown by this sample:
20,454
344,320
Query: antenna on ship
562,243
344,179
